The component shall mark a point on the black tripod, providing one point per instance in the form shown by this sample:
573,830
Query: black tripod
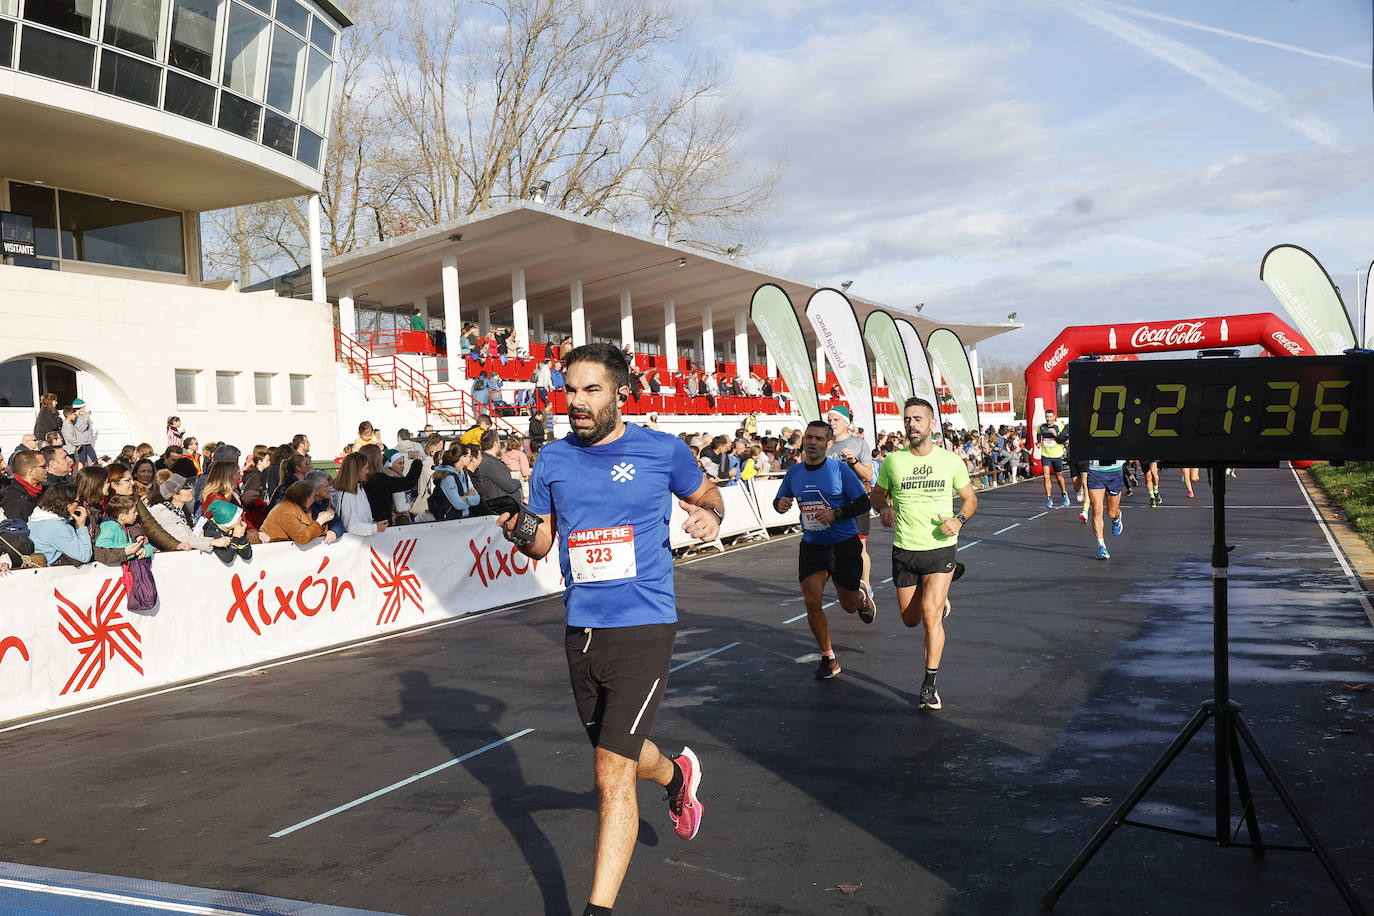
1231,729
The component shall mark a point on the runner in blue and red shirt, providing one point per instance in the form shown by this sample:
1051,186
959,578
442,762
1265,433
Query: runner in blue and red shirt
607,489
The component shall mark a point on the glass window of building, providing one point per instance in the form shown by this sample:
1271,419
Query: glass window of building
56,56
116,232
239,116
16,383
189,98
186,386
68,15
262,388
6,43
294,16
322,35
245,52
298,390
286,72
262,6
41,204
192,41
315,106
129,78
225,382
9,7
308,148
132,25
279,133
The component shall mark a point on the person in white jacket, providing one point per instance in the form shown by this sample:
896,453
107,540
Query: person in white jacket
350,500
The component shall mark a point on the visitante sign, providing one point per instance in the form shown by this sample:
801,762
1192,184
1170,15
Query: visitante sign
17,235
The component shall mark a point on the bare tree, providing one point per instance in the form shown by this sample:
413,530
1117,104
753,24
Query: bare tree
460,105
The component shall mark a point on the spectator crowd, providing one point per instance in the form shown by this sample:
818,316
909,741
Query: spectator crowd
62,505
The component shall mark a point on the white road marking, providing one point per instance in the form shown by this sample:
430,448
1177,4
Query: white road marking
1008,528
404,782
968,545
887,580
700,657
795,619
147,903
1034,517
1336,549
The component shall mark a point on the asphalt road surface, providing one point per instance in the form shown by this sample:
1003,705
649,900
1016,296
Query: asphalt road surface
445,771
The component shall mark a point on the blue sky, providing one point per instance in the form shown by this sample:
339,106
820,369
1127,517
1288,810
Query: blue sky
1076,162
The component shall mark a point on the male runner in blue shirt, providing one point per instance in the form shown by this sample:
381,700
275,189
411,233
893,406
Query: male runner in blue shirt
607,489
830,497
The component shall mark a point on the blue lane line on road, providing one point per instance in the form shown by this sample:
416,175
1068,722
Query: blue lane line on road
700,657
1008,528
1034,517
404,782
968,545
32,889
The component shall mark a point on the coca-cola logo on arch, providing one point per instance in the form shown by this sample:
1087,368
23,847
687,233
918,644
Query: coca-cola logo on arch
1054,359
1283,340
1180,334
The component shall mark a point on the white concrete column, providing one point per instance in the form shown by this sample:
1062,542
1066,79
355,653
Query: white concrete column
820,363
768,360
348,319
484,319
539,328
627,320
741,345
973,364
708,341
520,320
670,332
878,376
453,320
579,320
422,306
317,291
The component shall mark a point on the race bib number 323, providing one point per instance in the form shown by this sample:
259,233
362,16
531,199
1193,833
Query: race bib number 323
602,554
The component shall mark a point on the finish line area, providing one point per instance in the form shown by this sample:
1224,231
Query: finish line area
445,771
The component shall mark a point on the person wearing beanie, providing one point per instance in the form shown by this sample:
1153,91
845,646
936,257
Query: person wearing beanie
384,481
225,519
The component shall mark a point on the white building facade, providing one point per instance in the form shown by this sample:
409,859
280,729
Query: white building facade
123,120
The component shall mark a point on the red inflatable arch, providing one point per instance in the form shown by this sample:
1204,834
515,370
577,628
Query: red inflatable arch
1263,328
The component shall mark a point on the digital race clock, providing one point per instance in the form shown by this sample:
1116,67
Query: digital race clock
1223,411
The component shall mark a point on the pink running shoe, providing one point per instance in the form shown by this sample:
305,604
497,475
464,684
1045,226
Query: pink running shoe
684,809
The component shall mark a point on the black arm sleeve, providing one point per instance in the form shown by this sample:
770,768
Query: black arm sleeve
855,509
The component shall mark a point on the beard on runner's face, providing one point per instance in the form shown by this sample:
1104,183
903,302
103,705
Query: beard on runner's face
602,422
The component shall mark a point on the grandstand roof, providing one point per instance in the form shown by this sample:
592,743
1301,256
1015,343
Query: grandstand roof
556,248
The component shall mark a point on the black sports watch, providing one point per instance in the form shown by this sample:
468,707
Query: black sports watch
962,520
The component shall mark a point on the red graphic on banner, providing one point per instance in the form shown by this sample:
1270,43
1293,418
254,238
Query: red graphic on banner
396,580
289,601
13,642
99,633
490,565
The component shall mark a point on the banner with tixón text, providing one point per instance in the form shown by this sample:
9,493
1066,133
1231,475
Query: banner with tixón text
837,329
1309,298
947,351
68,638
776,320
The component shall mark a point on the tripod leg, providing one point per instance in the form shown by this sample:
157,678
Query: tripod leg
1123,810
1246,800
1308,831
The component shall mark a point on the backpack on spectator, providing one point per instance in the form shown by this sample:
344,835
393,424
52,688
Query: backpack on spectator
439,506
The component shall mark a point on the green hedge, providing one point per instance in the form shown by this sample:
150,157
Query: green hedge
1352,488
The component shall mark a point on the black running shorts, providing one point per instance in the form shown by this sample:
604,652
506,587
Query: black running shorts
618,678
1078,468
908,566
843,561
1050,465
